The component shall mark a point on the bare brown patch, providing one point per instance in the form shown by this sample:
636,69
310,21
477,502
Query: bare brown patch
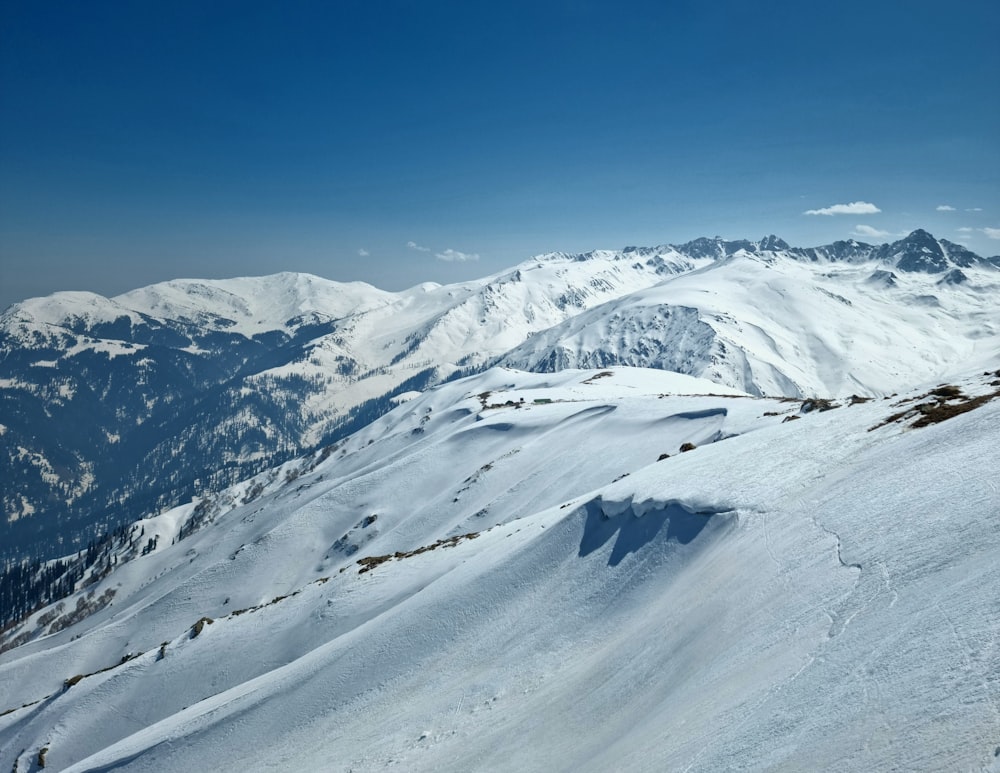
819,404
940,404
370,562
936,413
198,627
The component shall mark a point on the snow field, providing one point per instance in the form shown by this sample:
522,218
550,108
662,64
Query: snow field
794,595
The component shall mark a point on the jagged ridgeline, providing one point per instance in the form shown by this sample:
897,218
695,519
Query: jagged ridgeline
112,409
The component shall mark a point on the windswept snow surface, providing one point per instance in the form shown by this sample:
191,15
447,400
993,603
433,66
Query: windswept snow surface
809,594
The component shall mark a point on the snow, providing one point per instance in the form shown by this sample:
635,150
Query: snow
593,566
776,322
789,595
55,309
249,305
729,323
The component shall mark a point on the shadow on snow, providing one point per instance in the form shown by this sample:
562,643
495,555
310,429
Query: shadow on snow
670,523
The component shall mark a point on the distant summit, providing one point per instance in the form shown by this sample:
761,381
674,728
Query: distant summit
773,242
920,251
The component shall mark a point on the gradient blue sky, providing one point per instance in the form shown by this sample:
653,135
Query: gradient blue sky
142,141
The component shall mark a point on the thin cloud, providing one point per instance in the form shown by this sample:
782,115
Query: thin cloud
449,255
974,209
454,256
854,208
966,230
871,233
363,253
993,233
945,208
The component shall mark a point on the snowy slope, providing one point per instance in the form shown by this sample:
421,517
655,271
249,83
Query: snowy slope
207,382
768,324
797,594
210,381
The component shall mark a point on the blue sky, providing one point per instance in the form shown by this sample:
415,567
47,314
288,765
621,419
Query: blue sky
146,141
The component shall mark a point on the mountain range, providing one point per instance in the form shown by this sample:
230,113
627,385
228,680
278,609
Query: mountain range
115,408
715,506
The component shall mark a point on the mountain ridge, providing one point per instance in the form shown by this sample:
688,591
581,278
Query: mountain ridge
235,376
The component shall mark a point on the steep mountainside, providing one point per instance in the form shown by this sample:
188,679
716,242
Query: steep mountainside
586,570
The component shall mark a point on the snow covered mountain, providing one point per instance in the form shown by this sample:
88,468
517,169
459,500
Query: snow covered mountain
208,382
113,408
832,321
722,505
616,569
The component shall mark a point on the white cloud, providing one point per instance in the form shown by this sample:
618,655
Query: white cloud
449,255
854,208
974,209
966,230
945,208
363,253
993,233
454,256
872,233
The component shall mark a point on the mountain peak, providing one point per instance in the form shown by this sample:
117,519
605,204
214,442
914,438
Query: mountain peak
919,251
772,242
